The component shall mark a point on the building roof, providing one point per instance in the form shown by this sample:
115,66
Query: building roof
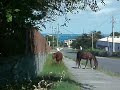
109,39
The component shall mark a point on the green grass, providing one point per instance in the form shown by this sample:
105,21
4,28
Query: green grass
58,70
117,58
66,86
110,73
52,67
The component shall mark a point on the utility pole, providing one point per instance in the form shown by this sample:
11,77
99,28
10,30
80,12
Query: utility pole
92,40
113,44
52,38
108,44
83,31
58,35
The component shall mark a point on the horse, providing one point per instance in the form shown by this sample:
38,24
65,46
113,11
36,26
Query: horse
58,56
86,56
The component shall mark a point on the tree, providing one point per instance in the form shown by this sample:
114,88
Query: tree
52,39
85,40
27,13
115,33
18,16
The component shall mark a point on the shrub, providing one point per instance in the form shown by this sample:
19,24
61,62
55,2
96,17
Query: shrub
98,52
116,54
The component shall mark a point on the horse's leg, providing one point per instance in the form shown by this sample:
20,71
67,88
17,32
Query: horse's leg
91,63
80,63
76,62
79,60
86,63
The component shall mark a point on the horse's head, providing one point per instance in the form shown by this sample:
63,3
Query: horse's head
58,56
54,55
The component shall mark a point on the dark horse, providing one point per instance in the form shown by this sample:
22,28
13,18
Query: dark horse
58,56
86,56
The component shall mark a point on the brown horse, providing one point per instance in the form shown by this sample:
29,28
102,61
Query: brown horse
58,56
86,56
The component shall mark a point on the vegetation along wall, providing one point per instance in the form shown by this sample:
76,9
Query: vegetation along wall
26,66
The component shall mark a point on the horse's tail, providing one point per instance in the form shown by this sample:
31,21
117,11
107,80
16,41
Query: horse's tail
95,62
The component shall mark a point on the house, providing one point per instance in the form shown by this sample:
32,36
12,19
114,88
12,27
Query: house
68,42
109,44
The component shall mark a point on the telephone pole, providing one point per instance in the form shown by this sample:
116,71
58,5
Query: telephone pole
52,38
113,44
92,40
58,35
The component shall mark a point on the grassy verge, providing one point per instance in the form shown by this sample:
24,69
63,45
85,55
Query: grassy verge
117,58
52,67
59,70
110,73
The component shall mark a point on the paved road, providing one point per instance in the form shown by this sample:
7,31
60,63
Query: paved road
92,79
108,64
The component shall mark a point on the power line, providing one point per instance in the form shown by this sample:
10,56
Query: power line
69,31
112,14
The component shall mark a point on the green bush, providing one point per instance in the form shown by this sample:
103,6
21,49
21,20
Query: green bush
103,54
98,52
116,54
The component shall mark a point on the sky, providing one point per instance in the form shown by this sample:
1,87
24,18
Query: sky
87,21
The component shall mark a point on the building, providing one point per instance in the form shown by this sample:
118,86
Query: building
68,42
109,44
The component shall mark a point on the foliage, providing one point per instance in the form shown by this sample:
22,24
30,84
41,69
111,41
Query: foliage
115,33
52,66
67,86
52,39
17,17
103,53
28,13
38,83
85,40
116,54
55,80
55,69
98,52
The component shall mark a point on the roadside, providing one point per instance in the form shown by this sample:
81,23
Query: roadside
92,79
106,65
